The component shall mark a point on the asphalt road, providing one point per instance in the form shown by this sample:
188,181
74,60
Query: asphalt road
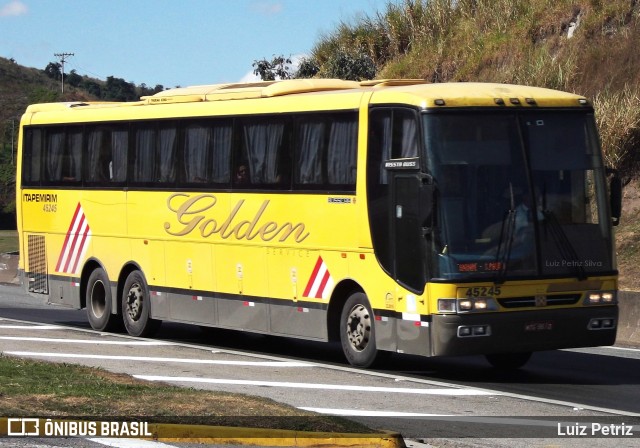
424,399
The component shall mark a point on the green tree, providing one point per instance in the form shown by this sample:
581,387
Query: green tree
53,70
73,79
92,87
343,64
308,68
119,90
276,68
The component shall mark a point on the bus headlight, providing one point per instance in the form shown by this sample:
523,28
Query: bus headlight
600,298
469,305
477,304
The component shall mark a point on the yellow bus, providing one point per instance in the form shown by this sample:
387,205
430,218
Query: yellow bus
390,215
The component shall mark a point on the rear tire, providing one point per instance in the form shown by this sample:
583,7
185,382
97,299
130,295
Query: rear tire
357,331
99,301
136,307
508,361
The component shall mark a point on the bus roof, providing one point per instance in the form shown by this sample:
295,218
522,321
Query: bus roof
414,92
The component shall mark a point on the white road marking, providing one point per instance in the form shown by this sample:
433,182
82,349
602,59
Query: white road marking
159,359
82,341
32,327
128,443
363,413
399,390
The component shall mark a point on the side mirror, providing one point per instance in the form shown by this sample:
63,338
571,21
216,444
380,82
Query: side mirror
615,198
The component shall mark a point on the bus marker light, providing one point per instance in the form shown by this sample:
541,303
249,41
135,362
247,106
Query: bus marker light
343,255
362,256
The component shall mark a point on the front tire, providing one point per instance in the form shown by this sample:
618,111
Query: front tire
99,301
136,307
357,332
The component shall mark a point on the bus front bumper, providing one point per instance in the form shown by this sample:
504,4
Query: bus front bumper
523,331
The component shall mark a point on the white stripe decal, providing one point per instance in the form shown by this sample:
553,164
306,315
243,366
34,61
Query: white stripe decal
363,413
158,359
399,390
81,341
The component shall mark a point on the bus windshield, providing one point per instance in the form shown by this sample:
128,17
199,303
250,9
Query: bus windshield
518,195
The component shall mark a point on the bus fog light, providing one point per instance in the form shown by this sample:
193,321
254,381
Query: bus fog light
480,330
603,323
465,331
607,323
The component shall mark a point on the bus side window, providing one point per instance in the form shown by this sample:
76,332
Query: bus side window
107,155
97,166
54,154
341,151
32,156
72,161
265,144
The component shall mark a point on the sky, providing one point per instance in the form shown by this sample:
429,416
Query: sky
169,42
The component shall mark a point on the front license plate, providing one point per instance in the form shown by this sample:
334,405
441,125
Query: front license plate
539,326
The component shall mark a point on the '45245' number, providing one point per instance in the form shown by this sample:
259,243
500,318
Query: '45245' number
483,291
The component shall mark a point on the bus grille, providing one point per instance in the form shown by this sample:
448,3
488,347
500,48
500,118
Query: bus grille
530,301
37,262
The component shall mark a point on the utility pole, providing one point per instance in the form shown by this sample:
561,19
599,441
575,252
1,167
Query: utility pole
63,59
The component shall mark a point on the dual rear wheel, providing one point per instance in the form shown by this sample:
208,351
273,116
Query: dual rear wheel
135,305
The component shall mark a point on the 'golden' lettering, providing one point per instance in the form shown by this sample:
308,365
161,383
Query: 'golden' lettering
191,214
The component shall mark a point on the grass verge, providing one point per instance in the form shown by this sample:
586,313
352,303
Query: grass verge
36,388
8,241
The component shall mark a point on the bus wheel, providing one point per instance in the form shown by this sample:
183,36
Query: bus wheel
136,312
508,361
357,333
99,302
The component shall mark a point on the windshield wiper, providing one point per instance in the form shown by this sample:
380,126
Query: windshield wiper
507,233
567,251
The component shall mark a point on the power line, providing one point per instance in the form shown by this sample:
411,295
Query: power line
63,59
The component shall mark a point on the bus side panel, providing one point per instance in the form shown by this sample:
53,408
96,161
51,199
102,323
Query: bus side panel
189,267
241,272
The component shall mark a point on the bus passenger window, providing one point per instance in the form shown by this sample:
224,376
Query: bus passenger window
265,147
107,155
196,151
